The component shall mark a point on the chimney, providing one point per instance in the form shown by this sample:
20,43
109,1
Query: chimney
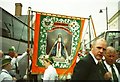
18,9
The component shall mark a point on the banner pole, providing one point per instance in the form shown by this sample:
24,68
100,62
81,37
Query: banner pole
28,50
93,26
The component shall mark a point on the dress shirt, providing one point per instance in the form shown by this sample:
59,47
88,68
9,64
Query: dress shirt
16,60
50,74
96,61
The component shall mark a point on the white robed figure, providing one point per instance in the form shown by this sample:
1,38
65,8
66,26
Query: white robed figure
59,49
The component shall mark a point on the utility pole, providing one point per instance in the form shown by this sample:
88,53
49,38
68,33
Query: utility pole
101,11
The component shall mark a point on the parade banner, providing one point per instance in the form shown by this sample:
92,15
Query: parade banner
50,28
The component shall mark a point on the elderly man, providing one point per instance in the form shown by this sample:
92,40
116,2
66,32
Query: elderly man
87,68
111,70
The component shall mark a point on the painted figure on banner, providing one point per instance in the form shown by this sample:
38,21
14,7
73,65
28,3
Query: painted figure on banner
58,49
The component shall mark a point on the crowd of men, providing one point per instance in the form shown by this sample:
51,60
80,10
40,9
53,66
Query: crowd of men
102,63
98,64
9,65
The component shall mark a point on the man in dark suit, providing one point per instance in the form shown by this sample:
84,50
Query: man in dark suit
110,60
87,68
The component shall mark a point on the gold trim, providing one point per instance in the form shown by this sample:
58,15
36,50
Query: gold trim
59,15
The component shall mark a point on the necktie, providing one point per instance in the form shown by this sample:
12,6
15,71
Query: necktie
99,66
114,74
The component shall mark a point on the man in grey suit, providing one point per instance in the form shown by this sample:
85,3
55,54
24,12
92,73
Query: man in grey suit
87,68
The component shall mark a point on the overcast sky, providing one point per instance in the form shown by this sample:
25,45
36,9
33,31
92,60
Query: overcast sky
79,8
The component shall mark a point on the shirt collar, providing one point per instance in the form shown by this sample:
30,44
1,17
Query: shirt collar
4,70
49,66
108,64
96,61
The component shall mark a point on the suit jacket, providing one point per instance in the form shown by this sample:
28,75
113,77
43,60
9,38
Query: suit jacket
118,66
86,69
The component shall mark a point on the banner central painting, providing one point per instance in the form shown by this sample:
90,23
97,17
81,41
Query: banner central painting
59,37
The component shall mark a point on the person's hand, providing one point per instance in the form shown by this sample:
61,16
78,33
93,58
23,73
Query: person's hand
16,55
107,76
14,78
25,77
28,50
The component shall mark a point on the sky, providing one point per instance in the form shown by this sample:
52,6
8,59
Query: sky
79,8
